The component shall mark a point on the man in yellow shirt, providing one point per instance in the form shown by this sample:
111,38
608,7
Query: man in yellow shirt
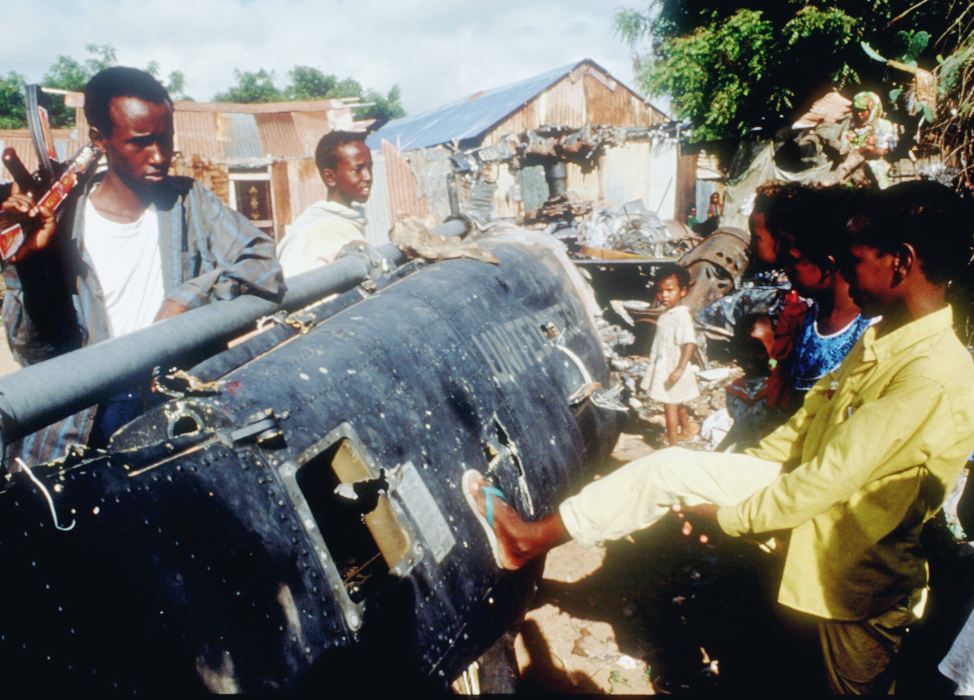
854,474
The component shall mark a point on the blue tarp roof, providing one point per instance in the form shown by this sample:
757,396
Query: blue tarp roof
467,118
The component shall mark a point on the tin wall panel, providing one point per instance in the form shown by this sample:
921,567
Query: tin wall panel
403,200
585,183
278,137
239,138
505,206
309,128
305,186
524,119
643,170
378,213
196,134
564,103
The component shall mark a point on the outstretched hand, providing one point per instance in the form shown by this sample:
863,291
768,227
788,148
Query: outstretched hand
705,514
18,201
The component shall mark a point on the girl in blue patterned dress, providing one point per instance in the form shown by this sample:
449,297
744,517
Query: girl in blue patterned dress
813,229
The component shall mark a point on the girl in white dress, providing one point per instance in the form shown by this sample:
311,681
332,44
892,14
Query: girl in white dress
674,345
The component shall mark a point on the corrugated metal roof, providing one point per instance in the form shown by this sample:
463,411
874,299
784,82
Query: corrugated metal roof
239,138
196,134
278,135
466,118
477,114
831,108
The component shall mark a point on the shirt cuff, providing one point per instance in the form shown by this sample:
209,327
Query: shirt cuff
730,522
188,296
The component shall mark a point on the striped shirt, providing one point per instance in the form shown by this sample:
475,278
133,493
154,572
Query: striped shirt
54,302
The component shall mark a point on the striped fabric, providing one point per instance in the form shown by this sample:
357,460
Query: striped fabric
54,302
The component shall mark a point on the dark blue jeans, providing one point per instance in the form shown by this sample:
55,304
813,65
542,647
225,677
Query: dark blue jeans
113,414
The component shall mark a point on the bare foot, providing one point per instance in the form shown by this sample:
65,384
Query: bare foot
691,435
518,542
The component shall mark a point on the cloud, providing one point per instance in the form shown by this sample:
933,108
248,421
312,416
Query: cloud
437,51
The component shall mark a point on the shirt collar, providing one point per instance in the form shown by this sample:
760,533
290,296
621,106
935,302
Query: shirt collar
878,349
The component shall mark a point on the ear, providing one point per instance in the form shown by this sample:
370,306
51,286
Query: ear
328,177
904,258
828,268
97,138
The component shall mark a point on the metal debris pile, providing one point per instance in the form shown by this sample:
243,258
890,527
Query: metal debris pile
557,142
632,228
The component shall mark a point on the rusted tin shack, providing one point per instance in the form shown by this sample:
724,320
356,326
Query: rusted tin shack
412,154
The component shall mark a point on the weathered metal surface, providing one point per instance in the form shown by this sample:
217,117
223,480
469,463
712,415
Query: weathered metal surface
403,190
378,208
716,266
557,96
279,136
238,136
643,170
41,394
833,107
303,528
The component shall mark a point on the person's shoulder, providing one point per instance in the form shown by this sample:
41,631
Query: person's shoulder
943,358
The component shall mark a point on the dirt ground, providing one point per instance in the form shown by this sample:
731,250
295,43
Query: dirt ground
559,652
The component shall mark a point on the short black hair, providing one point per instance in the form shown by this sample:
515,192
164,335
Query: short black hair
768,197
814,220
930,217
673,270
326,154
765,195
119,81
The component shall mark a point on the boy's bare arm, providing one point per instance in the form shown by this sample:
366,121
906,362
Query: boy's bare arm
685,355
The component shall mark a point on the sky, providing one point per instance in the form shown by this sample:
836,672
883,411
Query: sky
437,51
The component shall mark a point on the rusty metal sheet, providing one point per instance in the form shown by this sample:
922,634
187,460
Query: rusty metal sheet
239,138
831,108
403,194
467,118
309,127
196,134
642,170
278,137
378,216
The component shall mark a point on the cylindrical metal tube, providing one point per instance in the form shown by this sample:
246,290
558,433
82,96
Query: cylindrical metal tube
556,175
39,395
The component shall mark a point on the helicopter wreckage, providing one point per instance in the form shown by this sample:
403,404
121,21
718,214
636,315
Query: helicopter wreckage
291,514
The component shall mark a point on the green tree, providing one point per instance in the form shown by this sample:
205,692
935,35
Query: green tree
251,88
310,83
67,73
175,84
13,114
728,67
386,107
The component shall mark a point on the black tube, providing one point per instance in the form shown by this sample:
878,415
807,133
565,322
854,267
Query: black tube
38,395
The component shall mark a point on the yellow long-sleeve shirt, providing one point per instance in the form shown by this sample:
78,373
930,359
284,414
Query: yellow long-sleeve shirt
876,445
